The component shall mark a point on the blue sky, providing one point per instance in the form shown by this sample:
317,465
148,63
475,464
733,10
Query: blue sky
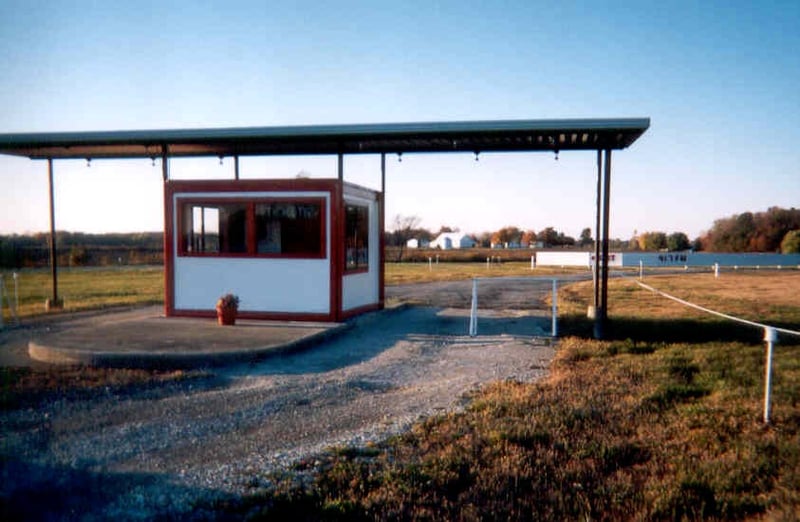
719,80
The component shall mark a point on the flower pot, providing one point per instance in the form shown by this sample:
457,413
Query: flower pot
226,316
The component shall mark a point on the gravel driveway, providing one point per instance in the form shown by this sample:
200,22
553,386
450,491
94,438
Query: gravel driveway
155,452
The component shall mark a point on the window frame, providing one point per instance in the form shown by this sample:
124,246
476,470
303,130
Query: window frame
182,203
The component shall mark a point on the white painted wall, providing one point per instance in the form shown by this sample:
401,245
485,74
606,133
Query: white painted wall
681,259
667,259
262,284
563,259
363,289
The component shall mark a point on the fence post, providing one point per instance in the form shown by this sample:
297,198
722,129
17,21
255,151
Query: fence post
641,270
555,308
770,336
716,270
430,264
473,314
16,293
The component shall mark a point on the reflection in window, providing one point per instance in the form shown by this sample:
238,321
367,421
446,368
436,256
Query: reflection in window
215,229
288,228
293,228
356,237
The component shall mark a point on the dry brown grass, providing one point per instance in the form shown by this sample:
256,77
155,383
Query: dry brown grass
628,429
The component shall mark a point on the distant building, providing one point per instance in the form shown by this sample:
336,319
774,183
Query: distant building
449,240
417,243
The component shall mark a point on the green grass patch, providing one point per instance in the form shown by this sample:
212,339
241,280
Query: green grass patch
86,288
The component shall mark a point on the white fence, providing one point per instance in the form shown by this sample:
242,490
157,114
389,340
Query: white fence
770,337
473,315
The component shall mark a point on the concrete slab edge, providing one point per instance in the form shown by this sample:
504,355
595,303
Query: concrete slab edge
143,360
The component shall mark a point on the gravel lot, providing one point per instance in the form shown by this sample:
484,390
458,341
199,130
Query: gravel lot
155,452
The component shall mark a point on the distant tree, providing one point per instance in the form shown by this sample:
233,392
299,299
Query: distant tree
791,242
528,238
484,239
752,232
507,235
678,241
403,230
444,229
652,240
697,244
585,237
548,236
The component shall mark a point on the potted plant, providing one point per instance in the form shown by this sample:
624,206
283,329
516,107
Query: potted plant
227,306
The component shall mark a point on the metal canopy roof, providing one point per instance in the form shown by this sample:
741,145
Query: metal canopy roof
462,136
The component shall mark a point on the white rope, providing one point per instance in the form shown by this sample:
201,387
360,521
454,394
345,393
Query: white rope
714,312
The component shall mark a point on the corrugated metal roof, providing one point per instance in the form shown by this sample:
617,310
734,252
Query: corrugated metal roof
459,136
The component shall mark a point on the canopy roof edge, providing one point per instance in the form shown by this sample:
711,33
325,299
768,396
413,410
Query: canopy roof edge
457,136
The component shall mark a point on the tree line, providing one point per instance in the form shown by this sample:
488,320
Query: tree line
774,230
81,249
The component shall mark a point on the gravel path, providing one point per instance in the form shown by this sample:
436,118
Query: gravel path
156,452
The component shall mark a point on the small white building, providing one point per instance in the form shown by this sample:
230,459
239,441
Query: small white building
299,249
448,240
417,243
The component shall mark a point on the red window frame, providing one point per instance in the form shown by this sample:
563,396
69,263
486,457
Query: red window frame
188,202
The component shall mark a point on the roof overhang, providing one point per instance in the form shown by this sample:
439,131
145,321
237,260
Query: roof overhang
461,136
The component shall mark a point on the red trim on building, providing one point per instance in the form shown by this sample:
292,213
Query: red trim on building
382,253
333,242
169,267
346,314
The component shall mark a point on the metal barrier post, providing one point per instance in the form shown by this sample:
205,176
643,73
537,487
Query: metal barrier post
16,292
716,270
641,270
770,336
473,314
555,308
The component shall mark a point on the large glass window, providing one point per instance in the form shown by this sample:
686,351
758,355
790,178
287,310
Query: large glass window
293,228
356,237
215,228
288,228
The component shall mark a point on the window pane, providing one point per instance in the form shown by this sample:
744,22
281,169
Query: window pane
356,237
215,229
289,228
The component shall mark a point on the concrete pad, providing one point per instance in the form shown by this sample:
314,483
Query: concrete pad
148,340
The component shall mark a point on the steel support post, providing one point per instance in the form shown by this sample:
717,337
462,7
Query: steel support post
602,312
596,266
53,303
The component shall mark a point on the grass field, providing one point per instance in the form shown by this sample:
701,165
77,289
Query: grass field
93,288
86,288
661,422
634,428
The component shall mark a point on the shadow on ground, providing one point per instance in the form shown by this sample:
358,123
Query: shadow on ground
688,331
34,492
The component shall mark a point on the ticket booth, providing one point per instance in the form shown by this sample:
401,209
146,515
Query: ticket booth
298,249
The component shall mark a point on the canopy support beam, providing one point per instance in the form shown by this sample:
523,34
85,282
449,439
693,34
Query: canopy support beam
54,303
601,312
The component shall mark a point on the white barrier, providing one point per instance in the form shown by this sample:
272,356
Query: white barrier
473,315
770,337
